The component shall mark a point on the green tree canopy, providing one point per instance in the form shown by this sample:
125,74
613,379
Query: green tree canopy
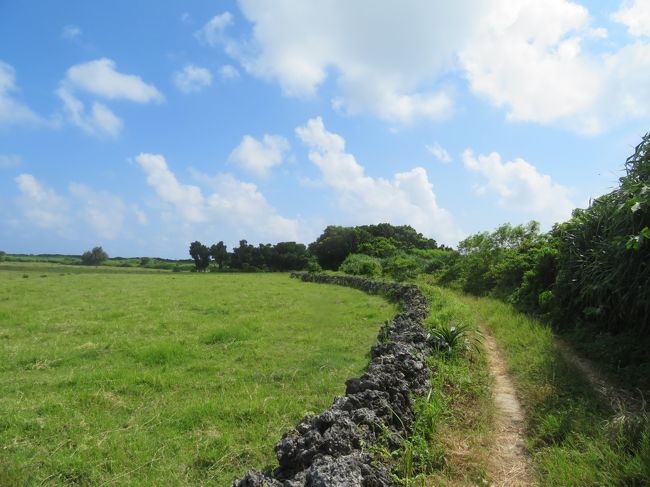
94,257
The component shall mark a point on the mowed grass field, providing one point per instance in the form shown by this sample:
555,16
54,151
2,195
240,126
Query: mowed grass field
123,377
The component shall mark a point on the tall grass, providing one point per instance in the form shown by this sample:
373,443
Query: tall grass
574,438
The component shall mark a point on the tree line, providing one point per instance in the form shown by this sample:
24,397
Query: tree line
336,245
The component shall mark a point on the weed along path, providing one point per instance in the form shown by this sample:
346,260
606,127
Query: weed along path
509,464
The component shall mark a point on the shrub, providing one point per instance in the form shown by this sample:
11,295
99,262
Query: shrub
401,267
94,257
361,265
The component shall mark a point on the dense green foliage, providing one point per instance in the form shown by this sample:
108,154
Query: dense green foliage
129,376
588,275
604,254
94,257
333,246
361,265
283,256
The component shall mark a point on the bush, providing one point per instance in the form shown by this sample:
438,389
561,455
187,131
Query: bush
361,265
401,267
94,257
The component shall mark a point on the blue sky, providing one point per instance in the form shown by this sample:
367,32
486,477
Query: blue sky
141,126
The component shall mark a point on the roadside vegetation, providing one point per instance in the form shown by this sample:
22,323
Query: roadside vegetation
144,377
451,438
574,437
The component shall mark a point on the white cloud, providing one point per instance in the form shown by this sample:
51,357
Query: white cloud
521,187
100,78
528,57
228,71
100,121
406,199
212,33
71,32
259,157
10,161
81,211
439,153
101,211
387,60
232,202
635,15
541,62
13,112
192,79
41,205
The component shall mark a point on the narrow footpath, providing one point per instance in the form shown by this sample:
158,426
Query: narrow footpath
509,463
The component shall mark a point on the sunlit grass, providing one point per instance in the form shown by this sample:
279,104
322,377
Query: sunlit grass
153,378
573,437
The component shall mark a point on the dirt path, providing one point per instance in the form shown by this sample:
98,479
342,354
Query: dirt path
509,463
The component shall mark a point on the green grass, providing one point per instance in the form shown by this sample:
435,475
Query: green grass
452,434
574,438
135,377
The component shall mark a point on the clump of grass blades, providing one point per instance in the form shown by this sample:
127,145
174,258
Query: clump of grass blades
457,337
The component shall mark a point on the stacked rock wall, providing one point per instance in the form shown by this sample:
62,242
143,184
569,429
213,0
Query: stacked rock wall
331,448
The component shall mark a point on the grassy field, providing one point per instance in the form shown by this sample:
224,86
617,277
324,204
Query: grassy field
136,377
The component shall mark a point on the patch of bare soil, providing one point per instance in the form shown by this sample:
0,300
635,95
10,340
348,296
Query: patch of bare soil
509,463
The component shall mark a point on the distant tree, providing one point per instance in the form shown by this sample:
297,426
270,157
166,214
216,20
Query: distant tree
288,256
94,257
219,252
144,261
201,255
334,245
3,255
242,256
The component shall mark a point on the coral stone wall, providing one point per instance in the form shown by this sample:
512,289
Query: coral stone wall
331,448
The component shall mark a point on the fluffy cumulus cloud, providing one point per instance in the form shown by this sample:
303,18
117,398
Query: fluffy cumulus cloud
100,78
521,187
386,60
406,199
79,211
543,62
231,202
258,156
529,58
635,15
439,152
192,79
12,111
